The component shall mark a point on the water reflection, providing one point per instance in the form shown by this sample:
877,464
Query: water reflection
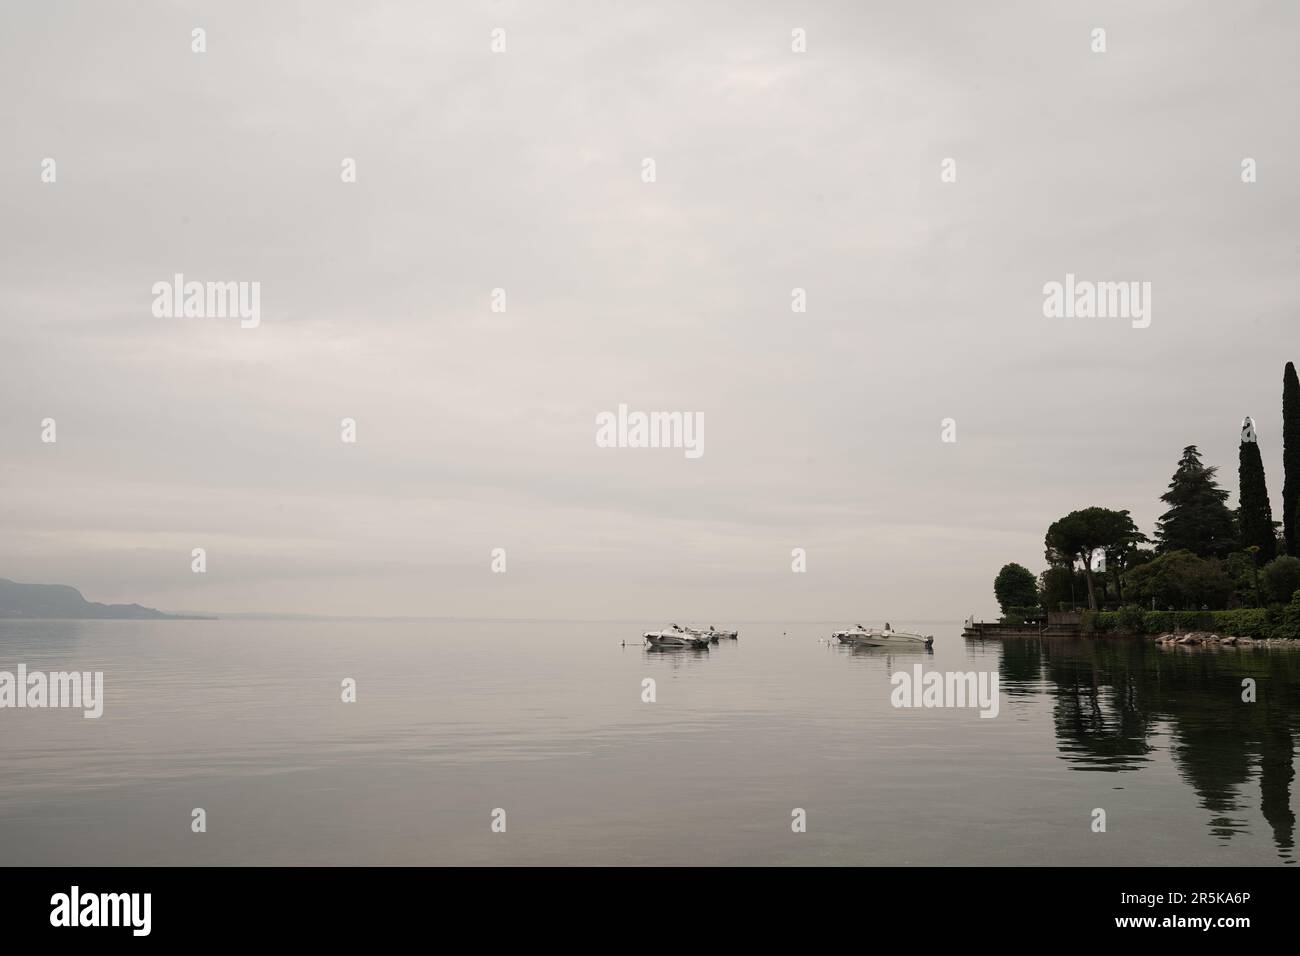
674,657
886,657
1117,701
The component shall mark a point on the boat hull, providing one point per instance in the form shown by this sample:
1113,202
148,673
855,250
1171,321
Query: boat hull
874,638
674,639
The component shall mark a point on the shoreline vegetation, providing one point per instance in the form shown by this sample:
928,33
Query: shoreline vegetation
1252,624
1209,575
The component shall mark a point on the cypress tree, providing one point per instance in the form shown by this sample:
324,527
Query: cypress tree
1290,456
1197,520
1255,516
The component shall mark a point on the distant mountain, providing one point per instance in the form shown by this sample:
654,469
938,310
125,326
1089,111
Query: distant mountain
60,601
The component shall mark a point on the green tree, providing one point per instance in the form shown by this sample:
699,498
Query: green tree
1241,567
1197,519
1183,581
1290,457
1280,579
1060,587
1123,554
1076,536
1255,515
1015,586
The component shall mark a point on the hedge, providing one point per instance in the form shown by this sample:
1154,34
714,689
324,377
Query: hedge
1277,621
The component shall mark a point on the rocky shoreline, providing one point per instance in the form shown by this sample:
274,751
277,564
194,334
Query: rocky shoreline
1199,638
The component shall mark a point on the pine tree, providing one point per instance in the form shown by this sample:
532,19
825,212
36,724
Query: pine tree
1197,519
1290,457
1077,537
1255,515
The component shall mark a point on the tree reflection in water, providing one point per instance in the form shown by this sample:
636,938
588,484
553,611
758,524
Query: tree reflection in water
1113,696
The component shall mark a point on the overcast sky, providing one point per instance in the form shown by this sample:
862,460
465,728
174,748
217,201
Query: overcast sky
522,170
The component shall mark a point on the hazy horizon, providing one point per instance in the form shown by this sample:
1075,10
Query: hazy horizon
522,170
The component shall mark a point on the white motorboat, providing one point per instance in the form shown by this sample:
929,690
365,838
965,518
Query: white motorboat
674,636
854,634
882,637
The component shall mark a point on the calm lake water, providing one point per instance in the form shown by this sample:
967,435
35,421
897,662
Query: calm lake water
546,721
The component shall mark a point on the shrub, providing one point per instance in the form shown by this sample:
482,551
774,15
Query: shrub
1129,618
1280,578
1286,620
1283,621
1158,622
1243,622
1180,579
1195,620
